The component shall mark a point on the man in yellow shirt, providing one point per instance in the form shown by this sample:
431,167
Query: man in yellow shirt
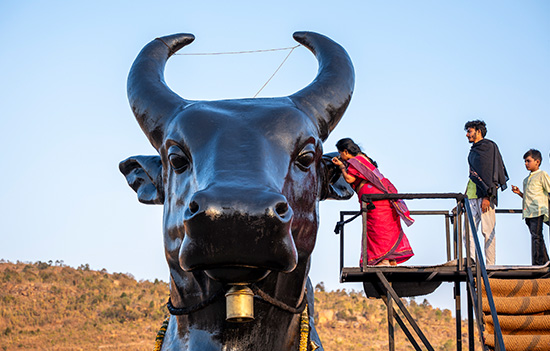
487,174
535,204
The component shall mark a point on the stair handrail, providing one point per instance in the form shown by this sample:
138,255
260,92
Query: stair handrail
482,270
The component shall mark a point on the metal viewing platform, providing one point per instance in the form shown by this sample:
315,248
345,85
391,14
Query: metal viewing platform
391,283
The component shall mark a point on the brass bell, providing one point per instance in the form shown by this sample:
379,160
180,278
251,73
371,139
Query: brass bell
239,304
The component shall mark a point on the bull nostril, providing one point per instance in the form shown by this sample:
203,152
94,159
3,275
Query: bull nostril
281,208
193,207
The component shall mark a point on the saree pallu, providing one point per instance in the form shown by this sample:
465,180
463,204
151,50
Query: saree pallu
385,237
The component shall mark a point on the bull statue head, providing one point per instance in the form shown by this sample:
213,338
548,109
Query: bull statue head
240,181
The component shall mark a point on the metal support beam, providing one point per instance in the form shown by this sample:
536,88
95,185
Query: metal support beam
471,341
393,295
458,316
391,332
407,332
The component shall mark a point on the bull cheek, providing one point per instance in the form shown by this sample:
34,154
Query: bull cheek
173,237
304,231
305,222
171,250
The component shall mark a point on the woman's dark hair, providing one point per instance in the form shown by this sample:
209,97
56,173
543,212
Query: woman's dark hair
353,149
534,153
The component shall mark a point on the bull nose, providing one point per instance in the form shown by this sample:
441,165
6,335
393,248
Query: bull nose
194,207
245,202
281,208
238,230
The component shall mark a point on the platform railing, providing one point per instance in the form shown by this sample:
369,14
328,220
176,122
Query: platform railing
367,201
453,245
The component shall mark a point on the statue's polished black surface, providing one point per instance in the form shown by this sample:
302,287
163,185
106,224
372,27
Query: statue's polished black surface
240,181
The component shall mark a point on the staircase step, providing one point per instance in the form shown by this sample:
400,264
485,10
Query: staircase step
519,305
520,325
518,287
521,342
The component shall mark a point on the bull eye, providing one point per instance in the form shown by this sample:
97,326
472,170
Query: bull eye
178,159
306,157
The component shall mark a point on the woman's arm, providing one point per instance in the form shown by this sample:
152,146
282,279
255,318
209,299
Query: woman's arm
347,177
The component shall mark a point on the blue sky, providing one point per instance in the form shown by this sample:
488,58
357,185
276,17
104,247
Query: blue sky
423,68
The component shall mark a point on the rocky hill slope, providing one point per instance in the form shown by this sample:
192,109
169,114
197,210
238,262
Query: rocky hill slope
49,306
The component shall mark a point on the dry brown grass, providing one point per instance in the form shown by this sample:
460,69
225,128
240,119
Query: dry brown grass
46,306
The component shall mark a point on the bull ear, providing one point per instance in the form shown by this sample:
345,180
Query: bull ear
144,175
333,184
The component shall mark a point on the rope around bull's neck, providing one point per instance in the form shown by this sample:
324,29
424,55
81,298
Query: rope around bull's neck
302,345
258,294
178,311
262,296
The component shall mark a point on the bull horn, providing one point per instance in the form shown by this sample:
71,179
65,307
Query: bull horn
150,98
328,96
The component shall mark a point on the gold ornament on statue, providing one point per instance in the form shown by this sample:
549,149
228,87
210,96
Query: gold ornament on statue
239,304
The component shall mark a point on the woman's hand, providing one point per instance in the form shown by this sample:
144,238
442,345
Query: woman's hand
347,177
337,162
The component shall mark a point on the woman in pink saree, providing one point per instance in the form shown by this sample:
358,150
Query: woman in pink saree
387,244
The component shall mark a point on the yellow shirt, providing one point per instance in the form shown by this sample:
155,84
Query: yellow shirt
471,190
535,195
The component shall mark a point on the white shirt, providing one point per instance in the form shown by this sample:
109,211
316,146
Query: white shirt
535,195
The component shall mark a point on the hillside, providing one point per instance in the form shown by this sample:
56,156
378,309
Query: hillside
46,306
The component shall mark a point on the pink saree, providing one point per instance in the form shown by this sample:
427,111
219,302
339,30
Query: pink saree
385,237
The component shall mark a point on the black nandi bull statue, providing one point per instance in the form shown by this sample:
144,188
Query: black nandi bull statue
240,181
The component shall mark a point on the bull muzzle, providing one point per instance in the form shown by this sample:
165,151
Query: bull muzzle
238,235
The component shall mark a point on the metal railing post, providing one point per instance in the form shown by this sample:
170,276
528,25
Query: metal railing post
448,236
341,244
364,235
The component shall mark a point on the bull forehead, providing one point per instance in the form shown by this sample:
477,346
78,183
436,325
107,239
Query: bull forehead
241,124
233,139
